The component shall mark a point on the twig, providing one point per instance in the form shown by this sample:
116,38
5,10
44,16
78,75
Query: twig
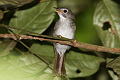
71,43
44,36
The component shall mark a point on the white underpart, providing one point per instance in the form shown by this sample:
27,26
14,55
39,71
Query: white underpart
65,30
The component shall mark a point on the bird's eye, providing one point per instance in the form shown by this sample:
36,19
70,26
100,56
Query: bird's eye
65,11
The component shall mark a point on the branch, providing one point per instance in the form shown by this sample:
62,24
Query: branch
61,41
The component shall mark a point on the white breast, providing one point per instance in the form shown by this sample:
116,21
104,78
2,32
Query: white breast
65,29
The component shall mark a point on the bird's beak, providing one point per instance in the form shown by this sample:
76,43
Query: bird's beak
58,10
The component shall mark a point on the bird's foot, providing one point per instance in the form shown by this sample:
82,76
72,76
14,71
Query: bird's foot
59,36
74,42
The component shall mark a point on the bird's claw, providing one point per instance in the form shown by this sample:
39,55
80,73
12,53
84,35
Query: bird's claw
74,42
59,36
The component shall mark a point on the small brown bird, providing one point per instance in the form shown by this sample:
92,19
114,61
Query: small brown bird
65,27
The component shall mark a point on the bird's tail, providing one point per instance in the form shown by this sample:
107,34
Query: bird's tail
59,66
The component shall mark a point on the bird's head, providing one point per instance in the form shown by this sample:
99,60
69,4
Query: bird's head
65,13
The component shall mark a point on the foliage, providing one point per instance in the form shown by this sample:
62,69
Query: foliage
106,21
35,19
16,3
36,62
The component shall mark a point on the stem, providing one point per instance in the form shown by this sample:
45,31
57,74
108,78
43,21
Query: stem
44,36
67,42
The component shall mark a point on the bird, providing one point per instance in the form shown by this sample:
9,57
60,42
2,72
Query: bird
64,27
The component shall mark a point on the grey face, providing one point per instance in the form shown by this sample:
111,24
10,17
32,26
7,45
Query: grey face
66,13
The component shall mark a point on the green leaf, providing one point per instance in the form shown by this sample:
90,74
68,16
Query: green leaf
6,47
16,66
50,77
106,21
77,64
16,3
1,14
82,65
113,75
114,64
36,19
